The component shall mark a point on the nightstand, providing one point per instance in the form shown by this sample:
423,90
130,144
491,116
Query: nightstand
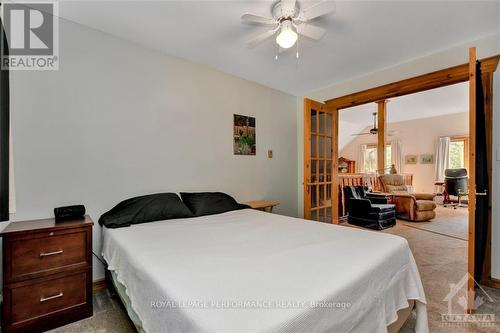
47,274
264,205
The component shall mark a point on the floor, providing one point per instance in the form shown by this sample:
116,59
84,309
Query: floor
449,221
441,260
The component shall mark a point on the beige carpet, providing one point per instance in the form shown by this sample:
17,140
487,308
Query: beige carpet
442,261
448,221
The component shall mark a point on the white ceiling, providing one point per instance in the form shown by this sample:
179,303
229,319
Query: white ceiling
361,36
426,104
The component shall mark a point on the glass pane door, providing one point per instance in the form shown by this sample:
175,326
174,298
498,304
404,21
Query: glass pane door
318,164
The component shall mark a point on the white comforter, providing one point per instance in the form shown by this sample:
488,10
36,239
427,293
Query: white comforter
249,271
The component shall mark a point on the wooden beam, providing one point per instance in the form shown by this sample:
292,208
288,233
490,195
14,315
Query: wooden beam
424,82
381,134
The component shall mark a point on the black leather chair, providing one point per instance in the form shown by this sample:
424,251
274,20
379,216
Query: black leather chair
366,211
456,183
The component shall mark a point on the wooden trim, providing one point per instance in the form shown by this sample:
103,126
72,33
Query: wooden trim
308,104
99,285
493,283
335,167
381,135
472,176
416,84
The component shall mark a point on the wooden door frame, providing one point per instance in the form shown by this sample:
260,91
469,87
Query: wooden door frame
437,79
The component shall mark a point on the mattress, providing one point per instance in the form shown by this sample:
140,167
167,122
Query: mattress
250,271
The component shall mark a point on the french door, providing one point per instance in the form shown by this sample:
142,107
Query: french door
320,162
480,158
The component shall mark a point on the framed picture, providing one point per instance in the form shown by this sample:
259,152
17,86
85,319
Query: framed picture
243,135
411,159
426,159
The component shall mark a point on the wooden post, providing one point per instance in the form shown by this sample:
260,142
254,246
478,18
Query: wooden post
381,142
472,177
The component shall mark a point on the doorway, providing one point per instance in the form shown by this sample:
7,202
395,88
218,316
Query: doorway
453,75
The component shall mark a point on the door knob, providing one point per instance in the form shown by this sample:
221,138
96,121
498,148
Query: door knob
482,194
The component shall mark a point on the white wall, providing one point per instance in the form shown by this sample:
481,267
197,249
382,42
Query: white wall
486,47
117,120
427,130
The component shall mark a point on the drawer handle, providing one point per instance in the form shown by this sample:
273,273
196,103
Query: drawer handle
46,254
44,299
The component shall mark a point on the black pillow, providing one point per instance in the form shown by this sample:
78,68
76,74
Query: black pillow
207,203
146,208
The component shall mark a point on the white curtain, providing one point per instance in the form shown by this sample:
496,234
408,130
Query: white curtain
397,157
361,159
442,157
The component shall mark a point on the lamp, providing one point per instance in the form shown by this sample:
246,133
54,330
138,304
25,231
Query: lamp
287,37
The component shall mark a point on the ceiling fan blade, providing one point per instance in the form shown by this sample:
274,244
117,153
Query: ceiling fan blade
260,38
288,8
311,31
322,8
359,134
249,18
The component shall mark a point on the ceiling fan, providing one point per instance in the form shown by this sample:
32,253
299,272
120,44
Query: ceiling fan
290,20
374,130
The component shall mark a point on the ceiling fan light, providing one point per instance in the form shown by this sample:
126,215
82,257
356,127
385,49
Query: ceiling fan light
287,37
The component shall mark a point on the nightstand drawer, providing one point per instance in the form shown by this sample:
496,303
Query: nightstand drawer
47,297
47,252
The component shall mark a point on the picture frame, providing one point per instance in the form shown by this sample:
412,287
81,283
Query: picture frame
244,137
411,159
427,159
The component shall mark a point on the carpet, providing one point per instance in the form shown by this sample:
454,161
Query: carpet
450,222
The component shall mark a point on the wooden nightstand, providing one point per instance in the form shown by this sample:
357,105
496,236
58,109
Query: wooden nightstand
47,274
264,205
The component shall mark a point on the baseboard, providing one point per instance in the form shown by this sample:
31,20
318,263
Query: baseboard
99,285
494,283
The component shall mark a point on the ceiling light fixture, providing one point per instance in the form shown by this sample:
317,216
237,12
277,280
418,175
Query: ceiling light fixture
287,36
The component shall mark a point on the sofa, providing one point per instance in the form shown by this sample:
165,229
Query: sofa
417,207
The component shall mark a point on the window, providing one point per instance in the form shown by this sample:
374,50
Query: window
458,153
370,158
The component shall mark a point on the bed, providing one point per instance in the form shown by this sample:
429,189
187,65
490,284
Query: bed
251,271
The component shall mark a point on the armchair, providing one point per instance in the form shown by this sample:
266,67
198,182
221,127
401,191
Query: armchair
368,212
416,207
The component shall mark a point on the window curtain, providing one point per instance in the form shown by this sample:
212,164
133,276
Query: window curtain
442,157
4,132
397,157
361,159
